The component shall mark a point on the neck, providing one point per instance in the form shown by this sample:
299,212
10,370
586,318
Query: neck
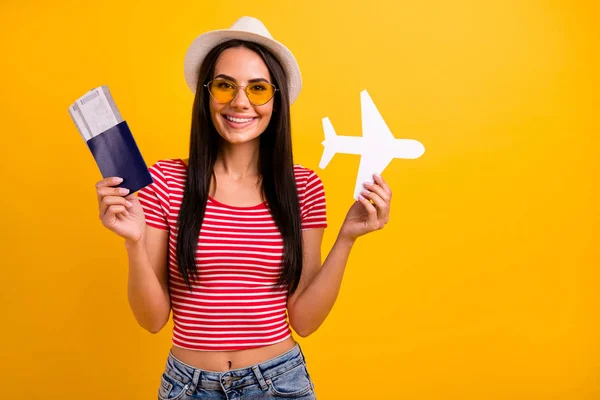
238,161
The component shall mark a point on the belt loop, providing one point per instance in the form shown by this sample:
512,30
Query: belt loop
259,376
194,383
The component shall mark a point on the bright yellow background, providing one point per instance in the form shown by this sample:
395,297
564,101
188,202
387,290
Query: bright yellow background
483,286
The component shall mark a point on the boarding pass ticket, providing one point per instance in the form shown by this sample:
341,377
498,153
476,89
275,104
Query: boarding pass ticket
95,112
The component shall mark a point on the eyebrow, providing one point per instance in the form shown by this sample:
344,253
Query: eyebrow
234,80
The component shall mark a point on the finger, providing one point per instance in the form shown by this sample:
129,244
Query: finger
381,182
110,181
370,208
107,182
113,195
381,205
110,201
111,191
116,210
374,187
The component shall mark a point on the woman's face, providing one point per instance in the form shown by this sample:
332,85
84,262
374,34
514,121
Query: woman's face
240,121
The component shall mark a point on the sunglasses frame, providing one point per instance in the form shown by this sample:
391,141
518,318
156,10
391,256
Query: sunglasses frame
237,90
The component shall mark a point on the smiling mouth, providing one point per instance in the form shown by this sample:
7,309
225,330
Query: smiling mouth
238,123
238,120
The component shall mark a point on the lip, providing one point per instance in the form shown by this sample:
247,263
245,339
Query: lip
238,125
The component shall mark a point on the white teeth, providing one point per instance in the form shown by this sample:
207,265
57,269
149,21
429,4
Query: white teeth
238,120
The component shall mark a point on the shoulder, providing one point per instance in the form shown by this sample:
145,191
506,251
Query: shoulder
304,175
311,195
307,179
169,164
168,168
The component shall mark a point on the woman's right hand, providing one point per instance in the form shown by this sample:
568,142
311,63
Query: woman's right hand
122,215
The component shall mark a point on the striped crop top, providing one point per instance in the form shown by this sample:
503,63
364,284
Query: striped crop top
239,258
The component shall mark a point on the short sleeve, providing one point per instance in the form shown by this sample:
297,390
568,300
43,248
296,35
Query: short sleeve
154,199
312,205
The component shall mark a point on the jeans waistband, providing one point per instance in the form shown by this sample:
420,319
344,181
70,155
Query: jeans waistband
256,374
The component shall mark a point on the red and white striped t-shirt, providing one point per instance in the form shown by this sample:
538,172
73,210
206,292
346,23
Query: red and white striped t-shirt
239,258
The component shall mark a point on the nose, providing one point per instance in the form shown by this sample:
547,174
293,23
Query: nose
241,100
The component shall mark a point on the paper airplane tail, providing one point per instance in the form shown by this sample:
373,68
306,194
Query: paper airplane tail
329,131
328,150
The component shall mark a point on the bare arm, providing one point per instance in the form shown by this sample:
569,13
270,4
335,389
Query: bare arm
147,286
319,287
147,248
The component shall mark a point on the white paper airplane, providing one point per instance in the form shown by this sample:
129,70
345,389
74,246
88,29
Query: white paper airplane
377,146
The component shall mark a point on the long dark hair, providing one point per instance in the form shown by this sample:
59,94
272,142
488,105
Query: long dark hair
276,168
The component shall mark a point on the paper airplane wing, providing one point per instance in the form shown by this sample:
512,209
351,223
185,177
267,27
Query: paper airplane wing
370,163
378,143
374,128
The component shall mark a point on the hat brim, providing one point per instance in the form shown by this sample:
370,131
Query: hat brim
204,43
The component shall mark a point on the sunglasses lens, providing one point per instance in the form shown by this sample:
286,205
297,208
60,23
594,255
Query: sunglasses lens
222,90
260,93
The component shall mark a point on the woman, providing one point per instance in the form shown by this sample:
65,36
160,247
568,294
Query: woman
230,239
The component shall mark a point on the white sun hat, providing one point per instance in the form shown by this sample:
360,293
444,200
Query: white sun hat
249,29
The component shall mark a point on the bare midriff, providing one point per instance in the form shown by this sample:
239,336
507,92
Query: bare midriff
223,361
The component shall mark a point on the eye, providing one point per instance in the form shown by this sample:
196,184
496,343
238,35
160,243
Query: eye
258,88
224,85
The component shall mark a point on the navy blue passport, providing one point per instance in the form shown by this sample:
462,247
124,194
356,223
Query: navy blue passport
117,154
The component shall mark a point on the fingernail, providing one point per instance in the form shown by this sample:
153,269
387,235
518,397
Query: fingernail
123,191
360,197
378,176
367,183
128,203
366,192
118,180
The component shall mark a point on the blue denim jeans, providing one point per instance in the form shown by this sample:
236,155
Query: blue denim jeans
282,377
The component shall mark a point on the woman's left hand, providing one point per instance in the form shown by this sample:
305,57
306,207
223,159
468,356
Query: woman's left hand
364,216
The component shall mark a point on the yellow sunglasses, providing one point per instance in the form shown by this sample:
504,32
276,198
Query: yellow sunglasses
224,90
